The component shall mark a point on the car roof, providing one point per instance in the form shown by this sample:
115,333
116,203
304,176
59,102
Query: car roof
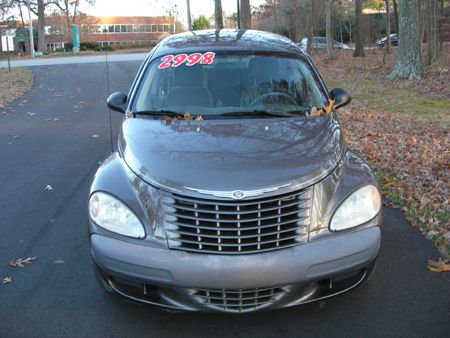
225,40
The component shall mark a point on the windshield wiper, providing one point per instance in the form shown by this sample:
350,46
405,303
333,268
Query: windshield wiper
291,113
158,112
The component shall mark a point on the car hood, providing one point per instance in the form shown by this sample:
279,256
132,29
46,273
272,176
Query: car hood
228,155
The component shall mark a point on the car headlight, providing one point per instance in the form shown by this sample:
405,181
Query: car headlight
113,215
358,208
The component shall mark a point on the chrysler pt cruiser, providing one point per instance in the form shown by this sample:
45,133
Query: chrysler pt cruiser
232,188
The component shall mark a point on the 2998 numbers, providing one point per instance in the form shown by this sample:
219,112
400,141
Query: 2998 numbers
190,60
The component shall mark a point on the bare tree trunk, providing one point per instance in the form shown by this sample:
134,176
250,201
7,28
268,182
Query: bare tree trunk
423,19
388,26
432,31
218,18
246,15
310,33
409,64
441,28
359,37
41,26
328,29
394,2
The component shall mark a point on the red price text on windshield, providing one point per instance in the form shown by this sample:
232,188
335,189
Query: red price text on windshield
190,60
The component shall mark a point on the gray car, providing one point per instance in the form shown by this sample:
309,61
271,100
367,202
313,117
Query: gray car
232,189
320,43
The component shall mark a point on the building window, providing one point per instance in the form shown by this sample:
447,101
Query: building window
154,28
160,28
166,28
148,28
117,28
123,28
111,28
129,28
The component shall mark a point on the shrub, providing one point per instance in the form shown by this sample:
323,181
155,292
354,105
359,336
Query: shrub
88,45
60,49
68,46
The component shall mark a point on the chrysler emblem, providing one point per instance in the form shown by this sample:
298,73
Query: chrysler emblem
238,194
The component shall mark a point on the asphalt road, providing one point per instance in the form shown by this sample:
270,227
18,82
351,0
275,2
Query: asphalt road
46,139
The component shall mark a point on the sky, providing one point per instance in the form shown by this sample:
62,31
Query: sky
157,7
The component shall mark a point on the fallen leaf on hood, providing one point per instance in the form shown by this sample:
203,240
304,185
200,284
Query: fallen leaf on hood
438,266
314,112
21,261
7,280
95,136
328,109
48,187
188,116
198,118
31,114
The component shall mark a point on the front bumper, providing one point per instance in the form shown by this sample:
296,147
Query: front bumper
202,282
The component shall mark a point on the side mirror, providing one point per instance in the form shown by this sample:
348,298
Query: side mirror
117,101
341,97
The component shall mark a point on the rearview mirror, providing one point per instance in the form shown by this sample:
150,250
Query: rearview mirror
117,101
341,97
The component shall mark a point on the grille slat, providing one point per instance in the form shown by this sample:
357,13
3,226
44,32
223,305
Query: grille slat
237,212
222,220
239,236
243,228
221,243
237,227
239,300
242,203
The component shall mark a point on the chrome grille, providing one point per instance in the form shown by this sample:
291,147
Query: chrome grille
237,227
239,300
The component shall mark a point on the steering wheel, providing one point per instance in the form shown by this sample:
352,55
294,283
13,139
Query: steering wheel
261,98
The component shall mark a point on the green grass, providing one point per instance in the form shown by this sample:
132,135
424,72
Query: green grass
377,96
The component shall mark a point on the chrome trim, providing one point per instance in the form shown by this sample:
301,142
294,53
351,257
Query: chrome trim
237,194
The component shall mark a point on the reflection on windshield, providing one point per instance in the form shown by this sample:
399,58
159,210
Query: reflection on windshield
230,83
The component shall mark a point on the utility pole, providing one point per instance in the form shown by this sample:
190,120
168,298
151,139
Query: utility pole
30,29
239,14
188,5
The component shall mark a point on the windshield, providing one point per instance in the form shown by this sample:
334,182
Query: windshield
227,84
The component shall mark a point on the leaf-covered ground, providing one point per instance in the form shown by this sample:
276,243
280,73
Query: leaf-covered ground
14,84
401,128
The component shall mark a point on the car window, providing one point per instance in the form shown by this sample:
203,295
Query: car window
231,83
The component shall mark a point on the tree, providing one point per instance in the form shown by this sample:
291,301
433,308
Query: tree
394,2
246,15
433,32
388,27
41,25
200,23
359,37
408,63
70,10
218,17
328,29
310,30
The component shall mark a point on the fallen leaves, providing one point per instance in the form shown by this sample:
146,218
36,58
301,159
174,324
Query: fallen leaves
186,117
438,266
411,156
95,136
14,84
48,187
21,262
7,280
